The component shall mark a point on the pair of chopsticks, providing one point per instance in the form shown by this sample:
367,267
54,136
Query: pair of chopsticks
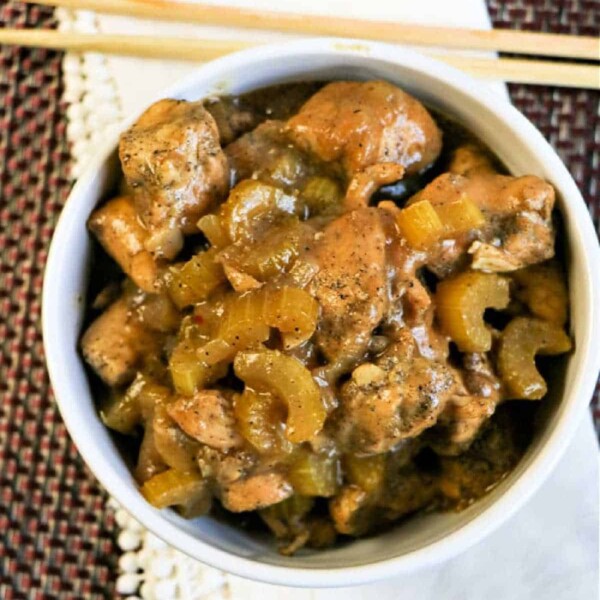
547,72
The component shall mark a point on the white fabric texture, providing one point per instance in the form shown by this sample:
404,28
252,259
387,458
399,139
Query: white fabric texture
548,549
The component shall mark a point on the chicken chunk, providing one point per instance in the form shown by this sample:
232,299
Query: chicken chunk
177,450
351,285
470,159
410,301
117,227
237,115
225,468
351,511
366,182
395,398
492,455
174,164
405,490
115,342
476,399
232,121
266,153
241,481
518,229
207,417
408,489
362,124
461,422
256,491
430,341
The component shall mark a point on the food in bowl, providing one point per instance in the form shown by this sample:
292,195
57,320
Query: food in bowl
319,300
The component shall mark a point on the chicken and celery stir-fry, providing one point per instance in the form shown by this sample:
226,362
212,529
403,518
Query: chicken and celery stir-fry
324,294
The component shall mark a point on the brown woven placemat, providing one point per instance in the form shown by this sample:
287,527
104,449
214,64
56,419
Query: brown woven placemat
57,539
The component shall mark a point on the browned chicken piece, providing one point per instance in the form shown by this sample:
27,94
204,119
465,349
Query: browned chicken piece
479,376
470,159
411,303
157,312
366,182
394,398
117,227
241,482
178,450
522,228
352,511
492,455
474,403
256,491
288,522
518,230
107,295
267,153
237,115
430,341
231,121
409,299
174,164
362,124
115,342
404,489
207,417
461,422
224,468
351,285
407,490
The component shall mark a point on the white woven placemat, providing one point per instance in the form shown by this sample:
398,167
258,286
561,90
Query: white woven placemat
100,91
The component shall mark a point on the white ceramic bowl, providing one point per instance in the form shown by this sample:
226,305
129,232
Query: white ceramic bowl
421,541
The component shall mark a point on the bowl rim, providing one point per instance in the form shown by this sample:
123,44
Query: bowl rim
464,536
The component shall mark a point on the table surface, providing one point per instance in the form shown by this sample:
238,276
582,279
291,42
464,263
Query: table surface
57,536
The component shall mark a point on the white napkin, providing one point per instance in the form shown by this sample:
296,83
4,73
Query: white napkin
548,550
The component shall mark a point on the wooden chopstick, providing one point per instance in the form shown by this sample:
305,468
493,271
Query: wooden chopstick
501,40
506,69
142,46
